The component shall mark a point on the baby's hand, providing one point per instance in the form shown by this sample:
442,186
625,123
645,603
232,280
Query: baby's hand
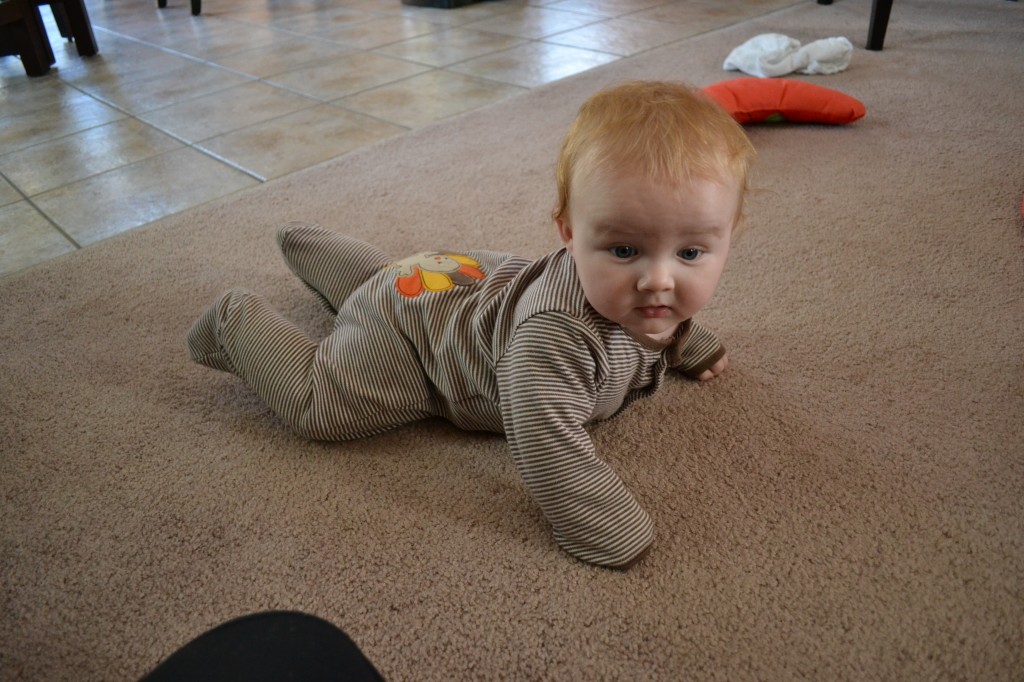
715,369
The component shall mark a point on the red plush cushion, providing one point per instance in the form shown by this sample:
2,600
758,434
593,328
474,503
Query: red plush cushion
752,100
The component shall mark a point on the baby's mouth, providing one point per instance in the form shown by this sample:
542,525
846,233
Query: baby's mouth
655,311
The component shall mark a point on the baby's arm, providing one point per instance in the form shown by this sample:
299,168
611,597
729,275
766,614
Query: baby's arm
715,369
546,379
699,355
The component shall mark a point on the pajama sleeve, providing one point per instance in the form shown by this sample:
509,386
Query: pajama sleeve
695,351
547,382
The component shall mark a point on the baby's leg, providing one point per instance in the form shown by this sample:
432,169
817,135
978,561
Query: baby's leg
240,333
305,383
331,265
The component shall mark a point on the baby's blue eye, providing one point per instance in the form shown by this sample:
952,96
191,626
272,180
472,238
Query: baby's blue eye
623,251
689,254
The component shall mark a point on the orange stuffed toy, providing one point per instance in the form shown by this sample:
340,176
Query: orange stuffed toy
757,100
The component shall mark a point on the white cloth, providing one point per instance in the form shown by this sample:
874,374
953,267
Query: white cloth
773,54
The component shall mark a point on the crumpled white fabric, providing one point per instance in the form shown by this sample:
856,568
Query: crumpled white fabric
773,54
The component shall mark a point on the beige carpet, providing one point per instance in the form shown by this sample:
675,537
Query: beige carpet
844,503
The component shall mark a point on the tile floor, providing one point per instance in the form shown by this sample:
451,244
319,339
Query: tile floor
178,110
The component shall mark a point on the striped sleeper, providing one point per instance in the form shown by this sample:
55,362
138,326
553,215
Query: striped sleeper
486,340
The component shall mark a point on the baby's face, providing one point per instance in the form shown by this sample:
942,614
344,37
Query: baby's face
648,255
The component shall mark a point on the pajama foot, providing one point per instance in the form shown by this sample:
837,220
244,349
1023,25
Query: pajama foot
294,240
204,345
331,265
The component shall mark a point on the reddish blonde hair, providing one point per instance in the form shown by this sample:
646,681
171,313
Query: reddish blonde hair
666,131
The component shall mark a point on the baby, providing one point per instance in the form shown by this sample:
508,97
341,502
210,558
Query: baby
651,179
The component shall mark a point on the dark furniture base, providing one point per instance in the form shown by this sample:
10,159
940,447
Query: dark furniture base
197,6
879,22
439,4
72,19
22,33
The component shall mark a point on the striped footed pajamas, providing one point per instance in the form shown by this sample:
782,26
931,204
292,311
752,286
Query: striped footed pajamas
486,340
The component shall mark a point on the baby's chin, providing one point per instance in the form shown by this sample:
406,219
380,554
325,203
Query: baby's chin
664,335
655,332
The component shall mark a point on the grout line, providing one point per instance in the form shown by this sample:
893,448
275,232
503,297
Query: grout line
27,199
228,162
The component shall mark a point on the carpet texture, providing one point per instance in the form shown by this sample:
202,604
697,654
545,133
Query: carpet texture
844,503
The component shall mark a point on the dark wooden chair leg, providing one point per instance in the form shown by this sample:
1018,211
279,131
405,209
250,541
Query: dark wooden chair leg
879,22
197,6
32,53
22,33
78,22
60,17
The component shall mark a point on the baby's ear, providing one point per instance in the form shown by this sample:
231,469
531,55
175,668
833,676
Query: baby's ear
564,232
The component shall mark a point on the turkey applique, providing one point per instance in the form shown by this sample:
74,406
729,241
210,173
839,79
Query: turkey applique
435,271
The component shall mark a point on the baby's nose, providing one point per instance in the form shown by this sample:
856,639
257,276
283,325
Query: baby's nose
655,278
